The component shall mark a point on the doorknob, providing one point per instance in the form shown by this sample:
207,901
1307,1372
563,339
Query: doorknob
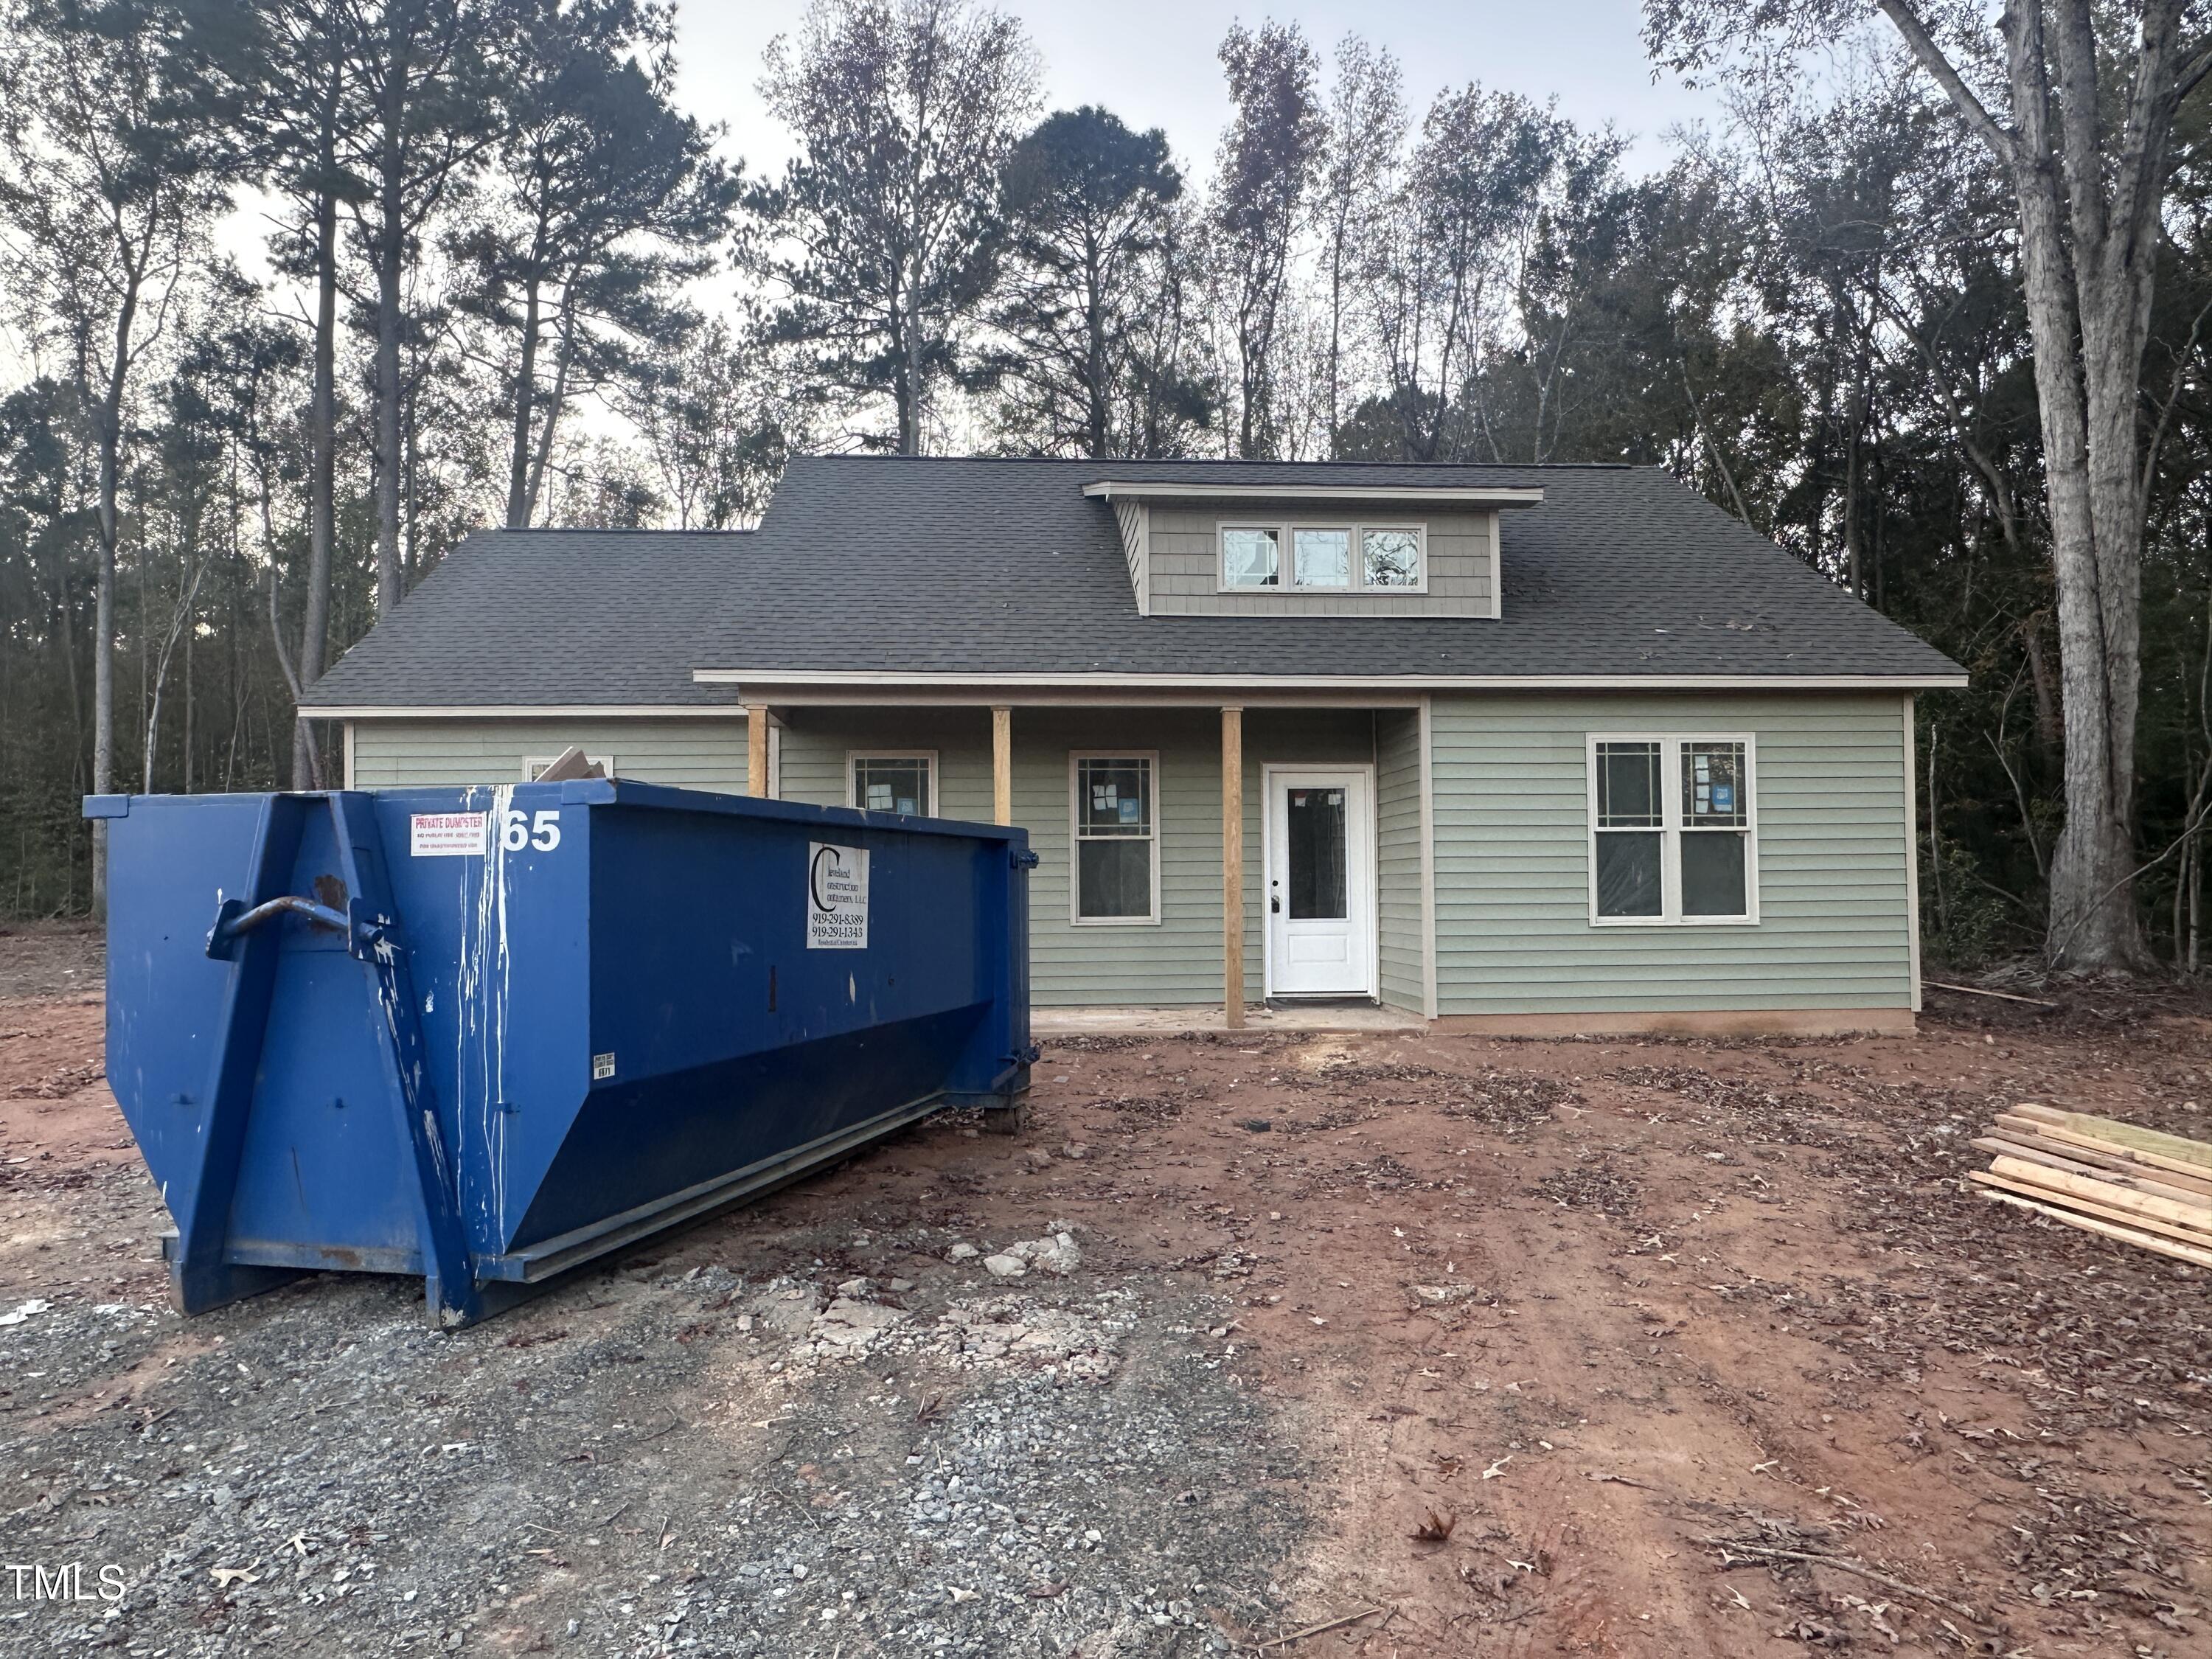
1274,905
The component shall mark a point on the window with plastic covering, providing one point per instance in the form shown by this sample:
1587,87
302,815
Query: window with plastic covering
1673,838
1116,836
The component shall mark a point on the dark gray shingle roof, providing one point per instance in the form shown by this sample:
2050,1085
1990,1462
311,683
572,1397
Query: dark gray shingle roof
546,617
999,567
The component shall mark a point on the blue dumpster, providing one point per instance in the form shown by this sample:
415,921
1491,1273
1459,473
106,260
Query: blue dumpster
483,1035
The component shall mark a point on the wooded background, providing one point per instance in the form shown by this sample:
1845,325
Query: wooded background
508,281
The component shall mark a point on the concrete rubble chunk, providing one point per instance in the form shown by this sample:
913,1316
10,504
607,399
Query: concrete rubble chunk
1439,1296
1058,1254
786,1307
851,1324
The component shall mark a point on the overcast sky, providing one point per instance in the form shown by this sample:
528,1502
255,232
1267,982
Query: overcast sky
1152,62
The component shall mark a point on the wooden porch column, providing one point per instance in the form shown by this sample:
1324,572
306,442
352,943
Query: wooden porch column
757,719
1002,765
1232,866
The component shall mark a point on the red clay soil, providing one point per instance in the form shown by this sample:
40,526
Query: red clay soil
1607,1347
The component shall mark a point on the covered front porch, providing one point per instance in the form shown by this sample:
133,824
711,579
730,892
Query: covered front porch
1261,861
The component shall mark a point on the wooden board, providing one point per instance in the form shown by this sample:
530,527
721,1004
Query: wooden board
2168,1247
2153,1146
2016,1123
2148,1161
2195,1236
2105,1192
2083,1160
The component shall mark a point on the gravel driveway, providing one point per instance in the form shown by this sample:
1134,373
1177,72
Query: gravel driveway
1451,1346
841,1443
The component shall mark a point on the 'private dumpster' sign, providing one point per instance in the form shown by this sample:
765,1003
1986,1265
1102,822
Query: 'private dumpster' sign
836,897
445,835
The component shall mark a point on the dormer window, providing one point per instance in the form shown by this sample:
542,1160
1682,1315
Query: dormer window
1321,558
1251,555
1342,558
1391,558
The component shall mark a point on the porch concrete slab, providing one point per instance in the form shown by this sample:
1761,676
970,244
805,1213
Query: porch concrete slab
1098,1022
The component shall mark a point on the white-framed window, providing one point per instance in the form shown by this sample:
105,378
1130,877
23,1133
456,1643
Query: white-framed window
1113,835
1673,829
1323,557
532,765
893,780
1251,555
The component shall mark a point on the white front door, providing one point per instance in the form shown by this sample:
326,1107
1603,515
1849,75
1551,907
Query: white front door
1321,882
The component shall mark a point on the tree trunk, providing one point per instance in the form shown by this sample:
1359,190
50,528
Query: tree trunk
322,451
103,617
519,492
192,632
391,185
1098,372
2102,179
2086,394
321,466
541,462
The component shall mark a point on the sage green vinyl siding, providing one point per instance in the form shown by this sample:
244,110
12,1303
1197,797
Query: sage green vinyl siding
1398,856
818,745
1182,552
1177,960
693,753
1512,865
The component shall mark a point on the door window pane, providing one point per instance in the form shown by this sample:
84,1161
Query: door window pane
1114,879
1628,872
1250,558
1322,558
1628,786
1391,558
1315,852
887,785
1713,872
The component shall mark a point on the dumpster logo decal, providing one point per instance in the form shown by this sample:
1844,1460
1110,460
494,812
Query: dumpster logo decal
447,835
836,897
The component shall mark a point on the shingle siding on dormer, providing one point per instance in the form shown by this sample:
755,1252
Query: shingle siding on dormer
1134,519
1185,561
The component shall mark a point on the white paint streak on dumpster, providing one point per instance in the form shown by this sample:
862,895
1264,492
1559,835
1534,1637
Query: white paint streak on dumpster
481,1010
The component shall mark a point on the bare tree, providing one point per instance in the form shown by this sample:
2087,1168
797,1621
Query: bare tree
714,423
110,182
1366,133
1442,281
2075,102
282,67
1262,192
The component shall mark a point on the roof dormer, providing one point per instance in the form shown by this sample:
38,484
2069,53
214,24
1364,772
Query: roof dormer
1208,548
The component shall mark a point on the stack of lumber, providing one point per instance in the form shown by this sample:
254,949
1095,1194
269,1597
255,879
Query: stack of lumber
2133,1184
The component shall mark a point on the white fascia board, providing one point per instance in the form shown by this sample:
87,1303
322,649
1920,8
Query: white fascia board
777,681
1471,495
566,711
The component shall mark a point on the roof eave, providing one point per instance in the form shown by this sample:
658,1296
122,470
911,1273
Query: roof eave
768,685
1458,494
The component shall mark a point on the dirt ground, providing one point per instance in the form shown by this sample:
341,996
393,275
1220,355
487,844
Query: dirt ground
1601,1347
